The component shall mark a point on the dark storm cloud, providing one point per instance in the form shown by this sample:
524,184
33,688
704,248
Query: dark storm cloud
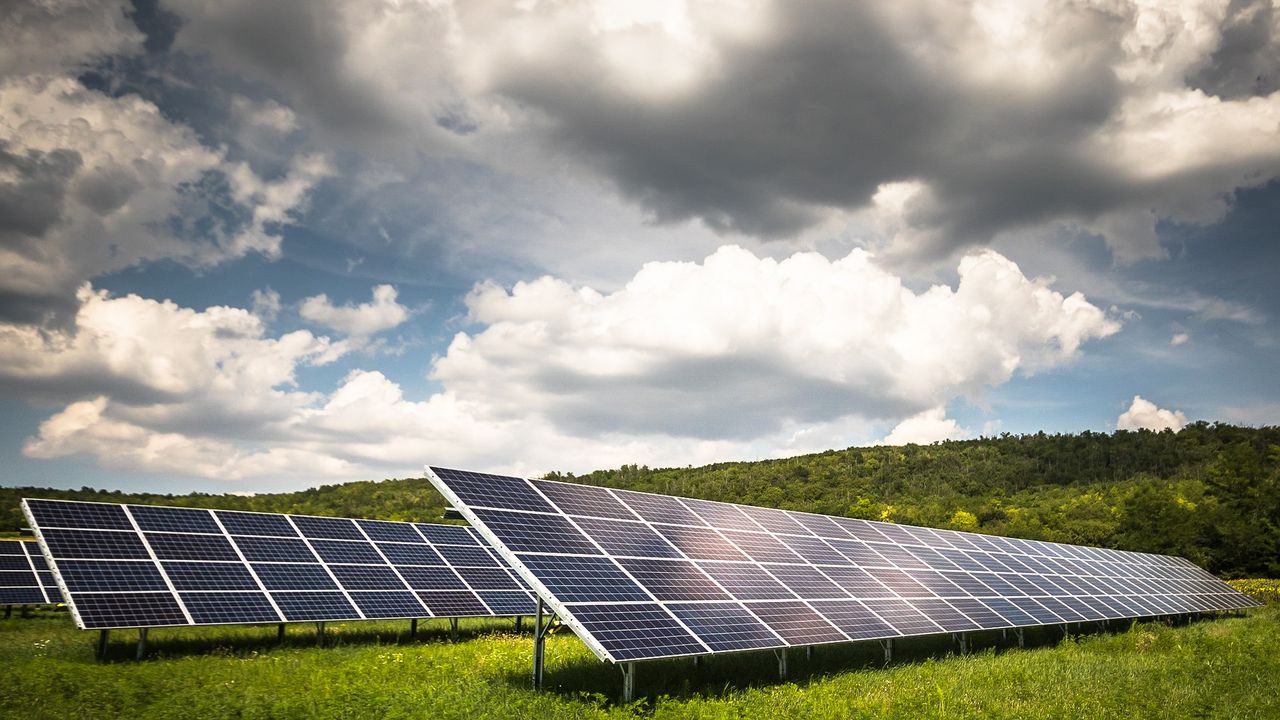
820,113
32,192
1247,61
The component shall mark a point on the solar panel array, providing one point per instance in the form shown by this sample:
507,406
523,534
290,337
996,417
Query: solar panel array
126,566
640,576
25,578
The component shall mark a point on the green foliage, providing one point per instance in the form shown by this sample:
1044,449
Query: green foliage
1210,492
1217,669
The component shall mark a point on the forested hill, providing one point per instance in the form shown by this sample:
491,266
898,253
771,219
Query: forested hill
1210,492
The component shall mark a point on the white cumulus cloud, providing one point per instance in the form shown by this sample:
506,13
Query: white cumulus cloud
736,356
1145,415
927,427
357,321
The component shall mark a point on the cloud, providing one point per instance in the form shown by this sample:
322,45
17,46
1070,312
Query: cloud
927,427
737,356
1179,339
1144,415
359,321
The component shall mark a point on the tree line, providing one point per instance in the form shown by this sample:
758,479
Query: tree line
1210,492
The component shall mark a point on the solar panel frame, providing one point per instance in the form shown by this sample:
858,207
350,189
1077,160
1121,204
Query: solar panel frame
274,572
975,580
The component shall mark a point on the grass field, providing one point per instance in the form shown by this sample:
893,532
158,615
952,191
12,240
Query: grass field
1223,668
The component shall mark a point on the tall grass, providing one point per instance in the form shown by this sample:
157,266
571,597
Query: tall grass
1223,668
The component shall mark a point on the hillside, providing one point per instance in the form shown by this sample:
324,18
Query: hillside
1210,492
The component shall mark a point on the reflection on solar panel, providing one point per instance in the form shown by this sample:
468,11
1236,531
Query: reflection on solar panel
25,579
640,576
135,566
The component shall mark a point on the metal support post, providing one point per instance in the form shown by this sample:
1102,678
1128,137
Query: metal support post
453,629
1004,633
782,662
697,661
888,650
280,632
808,652
539,646
519,623
628,682
142,643
101,652
319,633
413,627
963,639
1022,637
26,611
8,610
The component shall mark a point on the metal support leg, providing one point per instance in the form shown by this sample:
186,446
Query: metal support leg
101,652
628,682
1004,633
1022,637
26,611
808,652
413,627
539,646
782,663
697,661
963,640
888,650
8,610
280,632
319,633
519,623
142,643
453,629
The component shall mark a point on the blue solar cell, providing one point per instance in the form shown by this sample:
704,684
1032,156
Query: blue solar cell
641,630
367,577
327,528
293,576
116,610
858,582
777,521
14,562
509,602
460,556
209,575
453,603
314,605
904,617
796,622
659,508
806,582
172,519
346,551
177,546
406,554
815,550
700,543
111,575
211,608
584,500
247,523
389,604
670,580
493,491
762,547
854,619
95,544
487,578
263,549
619,537
583,579
721,515
746,581
78,515
8,547
944,615
431,578
725,626
533,532
447,534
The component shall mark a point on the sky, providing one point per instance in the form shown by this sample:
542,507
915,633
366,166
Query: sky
255,246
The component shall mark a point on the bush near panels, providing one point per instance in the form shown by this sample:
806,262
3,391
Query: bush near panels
1266,590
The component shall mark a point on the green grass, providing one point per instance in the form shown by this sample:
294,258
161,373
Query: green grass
1224,668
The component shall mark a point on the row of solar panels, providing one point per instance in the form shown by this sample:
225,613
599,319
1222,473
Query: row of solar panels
127,566
25,578
641,576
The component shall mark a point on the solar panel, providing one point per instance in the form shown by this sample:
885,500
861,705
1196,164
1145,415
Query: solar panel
642,576
25,578
131,566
